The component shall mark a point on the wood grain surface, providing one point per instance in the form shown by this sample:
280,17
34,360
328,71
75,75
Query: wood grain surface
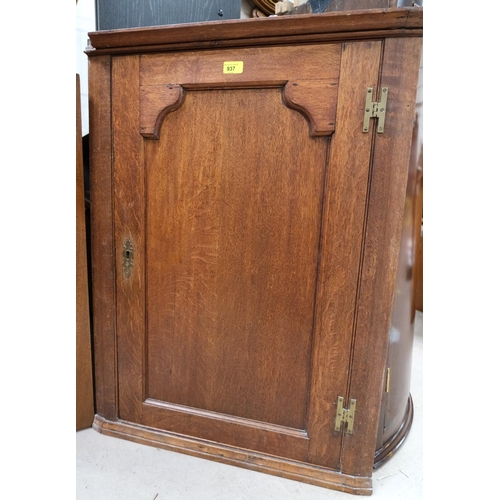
264,255
316,100
103,258
156,102
128,170
341,245
280,30
84,379
400,349
419,243
314,70
228,331
221,282
382,242
262,66
237,456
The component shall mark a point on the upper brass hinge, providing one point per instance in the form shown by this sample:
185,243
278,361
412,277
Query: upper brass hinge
345,415
388,380
375,110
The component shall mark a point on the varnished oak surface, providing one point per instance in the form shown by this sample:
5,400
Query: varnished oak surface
338,274
393,442
103,261
235,456
84,383
258,31
226,295
266,229
164,79
384,222
226,331
419,262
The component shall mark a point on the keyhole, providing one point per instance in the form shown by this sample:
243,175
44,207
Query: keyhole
127,254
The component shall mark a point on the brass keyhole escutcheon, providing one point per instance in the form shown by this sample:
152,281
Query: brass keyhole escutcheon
128,258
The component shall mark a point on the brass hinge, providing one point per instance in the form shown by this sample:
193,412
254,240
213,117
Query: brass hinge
345,415
388,379
375,110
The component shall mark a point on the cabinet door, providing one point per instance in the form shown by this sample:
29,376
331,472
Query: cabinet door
240,182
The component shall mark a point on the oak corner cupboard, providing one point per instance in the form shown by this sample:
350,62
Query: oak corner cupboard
250,185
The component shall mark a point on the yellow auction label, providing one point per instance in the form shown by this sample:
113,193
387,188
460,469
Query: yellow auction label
232,67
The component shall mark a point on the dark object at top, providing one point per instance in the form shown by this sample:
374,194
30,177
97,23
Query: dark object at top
117,14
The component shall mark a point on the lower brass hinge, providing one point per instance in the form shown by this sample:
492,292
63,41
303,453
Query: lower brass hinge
345,415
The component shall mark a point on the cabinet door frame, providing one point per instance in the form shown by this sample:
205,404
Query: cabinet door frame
143,82
376,282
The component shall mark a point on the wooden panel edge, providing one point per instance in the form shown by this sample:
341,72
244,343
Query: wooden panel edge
195,69
348,170
259,462
129,181
391,156
103,254
309,98
281,40
229,419
415,18
339,22
156,102
84,376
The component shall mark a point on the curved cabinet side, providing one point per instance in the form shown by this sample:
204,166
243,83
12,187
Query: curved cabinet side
396,413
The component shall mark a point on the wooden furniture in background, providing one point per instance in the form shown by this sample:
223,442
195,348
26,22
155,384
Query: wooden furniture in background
418,159
419,256
247,228
84,384
288,7
266,6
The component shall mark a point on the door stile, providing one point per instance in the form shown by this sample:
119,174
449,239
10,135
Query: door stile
341,242
316,292
372,134
128,163
401,60
103,254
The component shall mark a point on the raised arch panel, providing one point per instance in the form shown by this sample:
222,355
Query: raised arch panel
308,77
232,335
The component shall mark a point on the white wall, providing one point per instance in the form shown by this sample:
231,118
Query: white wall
85,22
246,8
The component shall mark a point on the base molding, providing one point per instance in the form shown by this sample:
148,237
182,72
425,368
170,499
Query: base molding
299,471
387,450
